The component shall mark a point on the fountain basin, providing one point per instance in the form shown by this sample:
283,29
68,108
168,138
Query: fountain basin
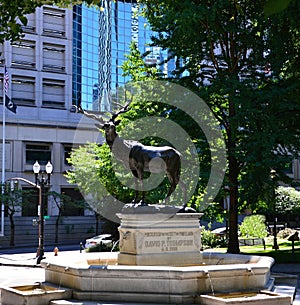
249,298
108,281
36,294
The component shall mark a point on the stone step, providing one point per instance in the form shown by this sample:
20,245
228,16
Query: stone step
285,279
286,290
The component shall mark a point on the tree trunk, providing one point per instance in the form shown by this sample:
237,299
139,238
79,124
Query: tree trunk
12,230
233,173
56,228
233,242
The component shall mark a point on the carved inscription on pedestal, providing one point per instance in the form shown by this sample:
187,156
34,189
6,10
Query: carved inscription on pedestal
160,242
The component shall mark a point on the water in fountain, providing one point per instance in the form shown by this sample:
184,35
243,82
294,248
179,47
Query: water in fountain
210,282
114,245
112,249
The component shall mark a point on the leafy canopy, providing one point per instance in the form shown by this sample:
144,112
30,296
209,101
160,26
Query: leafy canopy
13,13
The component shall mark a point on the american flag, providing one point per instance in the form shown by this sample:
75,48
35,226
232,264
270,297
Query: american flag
6,80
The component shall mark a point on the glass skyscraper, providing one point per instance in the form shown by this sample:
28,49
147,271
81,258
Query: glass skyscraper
101,38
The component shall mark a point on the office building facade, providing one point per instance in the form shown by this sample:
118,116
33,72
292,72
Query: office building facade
66,57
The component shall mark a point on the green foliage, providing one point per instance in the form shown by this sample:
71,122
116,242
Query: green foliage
214,212
103,248
232,44
276,6
61,200
253,227
14,199
287,200
94,173
12,11
211,240
135,66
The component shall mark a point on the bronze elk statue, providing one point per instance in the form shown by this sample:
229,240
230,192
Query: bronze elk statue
137,157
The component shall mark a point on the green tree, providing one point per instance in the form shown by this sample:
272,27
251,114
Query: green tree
93,172
135,66
254,226
287,201
13,13
245,66
14,200
61,200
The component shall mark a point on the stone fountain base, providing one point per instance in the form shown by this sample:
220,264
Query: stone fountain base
98,277
247,298
36,294
160,262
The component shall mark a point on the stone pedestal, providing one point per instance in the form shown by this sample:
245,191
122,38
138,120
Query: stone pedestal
158,235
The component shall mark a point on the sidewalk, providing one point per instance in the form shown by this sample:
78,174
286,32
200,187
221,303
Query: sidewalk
30,260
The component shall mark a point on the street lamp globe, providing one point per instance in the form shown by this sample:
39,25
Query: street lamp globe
36,167
49,168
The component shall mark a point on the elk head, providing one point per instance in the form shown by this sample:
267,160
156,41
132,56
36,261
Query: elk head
108,125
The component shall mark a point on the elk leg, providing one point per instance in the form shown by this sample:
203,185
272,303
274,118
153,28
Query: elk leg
173,181
143,194
136,182
140,174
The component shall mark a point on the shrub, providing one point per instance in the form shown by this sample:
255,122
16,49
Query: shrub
211,240
103,248
253,227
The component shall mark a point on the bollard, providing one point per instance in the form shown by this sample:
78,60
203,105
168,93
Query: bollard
55,251
81,247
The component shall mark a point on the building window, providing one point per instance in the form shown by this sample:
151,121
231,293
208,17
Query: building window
75,207
30,208
53,93
23,54
8,155
38,152
53,57
67,153
23,90
53,22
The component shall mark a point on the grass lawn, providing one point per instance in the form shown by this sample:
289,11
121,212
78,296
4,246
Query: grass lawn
283,255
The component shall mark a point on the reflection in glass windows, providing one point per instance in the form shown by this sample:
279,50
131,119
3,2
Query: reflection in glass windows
101,38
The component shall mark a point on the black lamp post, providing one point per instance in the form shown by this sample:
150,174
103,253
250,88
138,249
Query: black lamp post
42,182
275,243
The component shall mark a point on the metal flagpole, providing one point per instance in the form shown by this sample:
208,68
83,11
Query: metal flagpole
5,83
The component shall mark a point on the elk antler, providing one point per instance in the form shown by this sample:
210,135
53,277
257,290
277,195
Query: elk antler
100,118
122,110
93,116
